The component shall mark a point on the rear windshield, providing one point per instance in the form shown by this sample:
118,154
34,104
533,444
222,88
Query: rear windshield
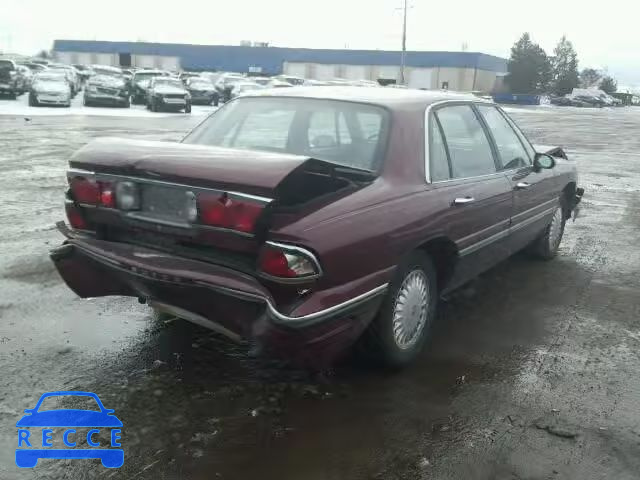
346,133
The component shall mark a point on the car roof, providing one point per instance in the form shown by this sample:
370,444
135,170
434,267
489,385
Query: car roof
387,97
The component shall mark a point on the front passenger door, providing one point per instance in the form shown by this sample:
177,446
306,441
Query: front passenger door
535,194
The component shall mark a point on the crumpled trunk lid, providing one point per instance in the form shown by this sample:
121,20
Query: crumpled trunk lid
248,171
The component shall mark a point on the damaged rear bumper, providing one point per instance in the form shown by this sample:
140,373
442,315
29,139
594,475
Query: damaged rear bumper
229,302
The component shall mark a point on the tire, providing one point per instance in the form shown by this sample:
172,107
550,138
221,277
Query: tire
546,246
386,339
12,96
32,101
154,105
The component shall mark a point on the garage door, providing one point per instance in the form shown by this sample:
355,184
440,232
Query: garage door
295,69
420,78
325,72
388,72
355,72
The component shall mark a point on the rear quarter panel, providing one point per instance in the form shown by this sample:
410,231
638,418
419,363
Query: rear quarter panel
386,223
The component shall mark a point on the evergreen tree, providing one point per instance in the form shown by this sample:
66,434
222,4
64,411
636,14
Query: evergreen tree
590,77
565,68
608,84
529,67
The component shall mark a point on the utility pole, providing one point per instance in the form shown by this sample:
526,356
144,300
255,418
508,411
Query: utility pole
404,43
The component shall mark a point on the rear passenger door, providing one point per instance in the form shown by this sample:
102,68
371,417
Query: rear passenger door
534,192
464,166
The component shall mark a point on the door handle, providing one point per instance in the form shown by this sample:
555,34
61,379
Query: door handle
522,185
463,200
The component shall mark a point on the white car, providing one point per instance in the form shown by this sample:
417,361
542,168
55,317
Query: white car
50,88
241,88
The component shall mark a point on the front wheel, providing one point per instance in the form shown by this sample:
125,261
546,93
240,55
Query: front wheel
547,245
403,324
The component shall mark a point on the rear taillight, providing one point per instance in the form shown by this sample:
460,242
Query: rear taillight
92,192
287,262
226,212
74,215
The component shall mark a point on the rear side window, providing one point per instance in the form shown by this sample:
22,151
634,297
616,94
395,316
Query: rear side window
512,152
438,159
469,149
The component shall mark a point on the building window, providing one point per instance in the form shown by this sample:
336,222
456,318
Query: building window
445,85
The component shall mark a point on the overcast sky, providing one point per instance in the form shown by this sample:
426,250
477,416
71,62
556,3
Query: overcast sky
604,35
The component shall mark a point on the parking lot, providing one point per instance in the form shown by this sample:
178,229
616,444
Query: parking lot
20,107
533,372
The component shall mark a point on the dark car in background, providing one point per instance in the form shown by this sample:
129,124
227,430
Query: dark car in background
128,74
185,76
291,79
225,83
202,91
34,67
10,83
84,71
140,84
106,90
304,219
25,78
168,94
50,87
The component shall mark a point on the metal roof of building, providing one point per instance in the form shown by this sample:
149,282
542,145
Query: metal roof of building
239,58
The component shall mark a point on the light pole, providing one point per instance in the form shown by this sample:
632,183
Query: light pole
404,43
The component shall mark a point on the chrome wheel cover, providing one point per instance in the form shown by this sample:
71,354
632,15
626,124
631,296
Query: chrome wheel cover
410,309
555,230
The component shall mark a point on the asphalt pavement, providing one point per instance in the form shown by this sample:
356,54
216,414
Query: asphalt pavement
534,371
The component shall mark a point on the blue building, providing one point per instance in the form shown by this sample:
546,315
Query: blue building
465,71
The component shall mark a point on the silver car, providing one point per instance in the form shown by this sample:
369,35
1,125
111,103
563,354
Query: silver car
50,88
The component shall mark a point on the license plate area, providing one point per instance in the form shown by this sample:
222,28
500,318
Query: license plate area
162,204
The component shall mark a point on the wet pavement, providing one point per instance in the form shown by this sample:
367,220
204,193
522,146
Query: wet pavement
533,372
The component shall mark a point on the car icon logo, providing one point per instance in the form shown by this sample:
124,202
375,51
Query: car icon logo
32,447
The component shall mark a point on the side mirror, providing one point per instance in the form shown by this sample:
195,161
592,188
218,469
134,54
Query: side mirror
542,160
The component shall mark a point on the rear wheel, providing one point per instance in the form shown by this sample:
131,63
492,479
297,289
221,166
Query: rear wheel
403,324
547,245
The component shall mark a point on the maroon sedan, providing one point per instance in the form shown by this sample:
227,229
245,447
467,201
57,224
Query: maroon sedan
303,219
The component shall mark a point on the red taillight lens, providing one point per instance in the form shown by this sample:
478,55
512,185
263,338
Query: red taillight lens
290,262
74,215
274,262
85,190
107,197
92,192
225,212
